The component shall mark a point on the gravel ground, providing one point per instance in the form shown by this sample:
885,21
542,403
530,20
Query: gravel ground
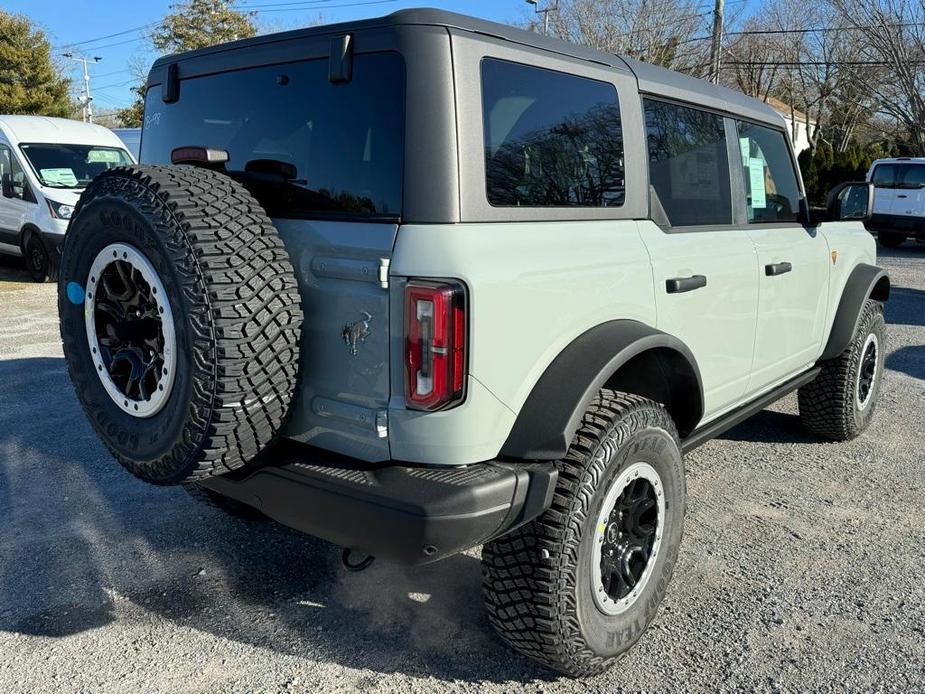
801,568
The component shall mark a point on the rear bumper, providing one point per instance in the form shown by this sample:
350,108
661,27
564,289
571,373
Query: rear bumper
912,227
408,515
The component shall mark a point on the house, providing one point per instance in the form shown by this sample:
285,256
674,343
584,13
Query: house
796,123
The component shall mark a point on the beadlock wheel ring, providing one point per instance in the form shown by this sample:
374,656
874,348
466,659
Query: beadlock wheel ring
867,372
624,541
130,330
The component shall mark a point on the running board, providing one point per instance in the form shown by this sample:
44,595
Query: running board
740,414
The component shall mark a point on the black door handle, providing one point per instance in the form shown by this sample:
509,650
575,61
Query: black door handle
901,196
678,285
777,269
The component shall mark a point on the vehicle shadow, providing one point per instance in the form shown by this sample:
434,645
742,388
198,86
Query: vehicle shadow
13,269
906,306
83,544
909,360
769,426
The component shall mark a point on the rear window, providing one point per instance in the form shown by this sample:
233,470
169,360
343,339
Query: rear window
304,147
551,139
899,176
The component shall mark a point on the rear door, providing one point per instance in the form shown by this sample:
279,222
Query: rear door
793,259
884,180
704,266
910,191
324,156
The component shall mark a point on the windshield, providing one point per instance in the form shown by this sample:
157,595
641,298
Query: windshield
72,166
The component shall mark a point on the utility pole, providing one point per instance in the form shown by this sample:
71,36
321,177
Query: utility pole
87,107
545,12
716,45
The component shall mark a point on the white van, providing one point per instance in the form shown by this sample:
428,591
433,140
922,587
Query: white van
45,163
899,199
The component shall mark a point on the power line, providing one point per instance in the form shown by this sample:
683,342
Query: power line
328,7
109,36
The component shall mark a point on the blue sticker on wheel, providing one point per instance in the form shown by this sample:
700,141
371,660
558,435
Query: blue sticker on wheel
75,293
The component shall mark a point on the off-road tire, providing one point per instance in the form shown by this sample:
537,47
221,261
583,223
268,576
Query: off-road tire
235,304
536,579
828,405
44,270
232,507
890,239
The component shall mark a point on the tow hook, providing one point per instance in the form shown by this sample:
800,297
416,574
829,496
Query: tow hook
350,563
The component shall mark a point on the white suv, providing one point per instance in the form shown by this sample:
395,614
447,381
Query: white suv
899,199
45,163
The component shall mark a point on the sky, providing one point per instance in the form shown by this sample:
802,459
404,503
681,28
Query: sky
78,21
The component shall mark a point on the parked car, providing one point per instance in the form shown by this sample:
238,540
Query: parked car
899,199
131,138
45,163
424,282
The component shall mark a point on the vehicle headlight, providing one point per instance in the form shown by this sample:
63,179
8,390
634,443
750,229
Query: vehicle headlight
60,210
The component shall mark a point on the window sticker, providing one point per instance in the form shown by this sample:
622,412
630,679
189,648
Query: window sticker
745,146
104,156
58,177
756,182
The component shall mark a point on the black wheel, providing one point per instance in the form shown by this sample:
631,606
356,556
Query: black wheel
232,507
38,260
890,239
839,404
180,319
577,587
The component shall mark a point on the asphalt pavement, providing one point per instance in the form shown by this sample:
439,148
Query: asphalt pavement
801,568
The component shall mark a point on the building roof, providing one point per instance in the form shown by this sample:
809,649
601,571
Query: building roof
58,130
651,78
785,110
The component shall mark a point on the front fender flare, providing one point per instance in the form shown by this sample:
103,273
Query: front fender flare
864,282
549,418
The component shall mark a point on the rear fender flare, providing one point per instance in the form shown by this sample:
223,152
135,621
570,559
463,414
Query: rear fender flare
549,418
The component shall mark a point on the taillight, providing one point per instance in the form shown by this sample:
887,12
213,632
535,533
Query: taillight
435,344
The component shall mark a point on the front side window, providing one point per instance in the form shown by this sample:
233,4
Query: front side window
688,164
72,166
304,146
551,139
9,166
773,194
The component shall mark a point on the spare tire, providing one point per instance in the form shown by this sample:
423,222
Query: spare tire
180,318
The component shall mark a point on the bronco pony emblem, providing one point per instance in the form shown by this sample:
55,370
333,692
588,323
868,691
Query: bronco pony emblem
357,332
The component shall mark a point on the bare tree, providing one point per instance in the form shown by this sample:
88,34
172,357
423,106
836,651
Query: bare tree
654,31
893,33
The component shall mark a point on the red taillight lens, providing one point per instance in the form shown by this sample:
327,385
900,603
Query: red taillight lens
435,345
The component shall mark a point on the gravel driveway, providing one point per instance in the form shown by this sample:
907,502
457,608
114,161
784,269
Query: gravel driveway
801,569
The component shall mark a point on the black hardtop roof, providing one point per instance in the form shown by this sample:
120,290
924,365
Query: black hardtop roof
652,79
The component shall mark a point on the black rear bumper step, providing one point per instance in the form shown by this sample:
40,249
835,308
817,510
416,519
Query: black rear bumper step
407,515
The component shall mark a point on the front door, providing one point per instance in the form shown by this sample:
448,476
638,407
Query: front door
793,260
12,209
705,269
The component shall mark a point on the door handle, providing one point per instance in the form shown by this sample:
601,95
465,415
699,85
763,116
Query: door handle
678,285
901,196
777,269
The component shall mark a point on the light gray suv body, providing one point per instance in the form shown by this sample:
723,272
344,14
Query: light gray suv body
516,279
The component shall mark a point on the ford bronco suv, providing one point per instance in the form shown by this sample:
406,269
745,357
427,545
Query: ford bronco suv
423,283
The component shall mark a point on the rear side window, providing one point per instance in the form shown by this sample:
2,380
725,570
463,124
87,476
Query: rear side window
551,139
688,164
884,176
304,146
773,194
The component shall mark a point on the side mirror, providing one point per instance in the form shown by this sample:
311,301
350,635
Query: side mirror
851,201
6,184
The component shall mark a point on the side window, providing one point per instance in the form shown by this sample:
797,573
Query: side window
770,179
9,165
688,164
884,176
551,139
